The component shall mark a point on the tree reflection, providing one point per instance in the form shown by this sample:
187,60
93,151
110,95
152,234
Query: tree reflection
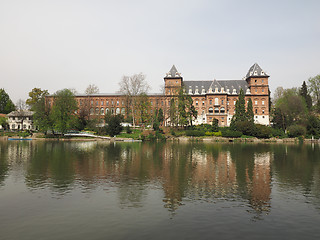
184,172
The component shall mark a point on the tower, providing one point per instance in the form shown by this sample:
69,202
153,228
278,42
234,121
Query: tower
257,80
172,81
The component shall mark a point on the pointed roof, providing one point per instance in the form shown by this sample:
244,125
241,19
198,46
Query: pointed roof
256,71
173,73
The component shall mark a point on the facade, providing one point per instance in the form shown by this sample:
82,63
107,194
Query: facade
21,120
213,99
216,99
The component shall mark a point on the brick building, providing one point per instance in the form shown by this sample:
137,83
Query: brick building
213,99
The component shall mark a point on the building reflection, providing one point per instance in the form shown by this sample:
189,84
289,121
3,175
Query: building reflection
183,172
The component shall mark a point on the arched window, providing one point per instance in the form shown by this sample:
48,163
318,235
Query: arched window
222,110
97,111
91,111
123,111
118,111
107,110
216,110
102,111
112,111
210,110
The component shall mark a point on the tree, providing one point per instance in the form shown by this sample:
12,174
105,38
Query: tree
92,89
41,116
21,105
250,114
35,96
143,108
6,105
4,122
304,93
314,88
132,87
173,113
240,111
186,110
289,109
63,110
113,124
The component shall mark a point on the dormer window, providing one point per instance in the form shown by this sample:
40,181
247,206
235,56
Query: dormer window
255,73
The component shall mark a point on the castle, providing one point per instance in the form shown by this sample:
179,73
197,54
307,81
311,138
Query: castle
213,99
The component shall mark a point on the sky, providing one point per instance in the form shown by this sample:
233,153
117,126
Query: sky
57,44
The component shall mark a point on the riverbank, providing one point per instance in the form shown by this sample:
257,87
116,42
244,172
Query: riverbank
180,139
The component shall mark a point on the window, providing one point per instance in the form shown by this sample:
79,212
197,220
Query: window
151,103
255,102
117,103
102,111
112,111
101,102
210,110
112,102
107,103
262,90
118,111
91,111
162,103
256,111
255,80
216,101
222,110
262,102
97,111
221,101
210,102
262,111
123,111
262,81
91,102
122,102
202,103
234,102
107,110
97,103
256,90
216,110
196,103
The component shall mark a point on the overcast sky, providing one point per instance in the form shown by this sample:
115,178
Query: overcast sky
56,44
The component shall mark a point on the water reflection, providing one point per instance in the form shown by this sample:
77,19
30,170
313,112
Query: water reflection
183,172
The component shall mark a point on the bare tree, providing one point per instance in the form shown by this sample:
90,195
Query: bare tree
92,89
132,87
21,105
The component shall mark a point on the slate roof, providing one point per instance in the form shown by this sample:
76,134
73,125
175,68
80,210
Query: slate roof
22,113
256,70
173,73
225,84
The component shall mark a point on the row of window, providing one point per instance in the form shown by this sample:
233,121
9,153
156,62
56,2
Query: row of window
102,111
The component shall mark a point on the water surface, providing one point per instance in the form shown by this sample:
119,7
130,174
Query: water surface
99,190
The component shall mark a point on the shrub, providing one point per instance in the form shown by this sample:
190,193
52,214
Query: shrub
195,133
296,131
246,127
277,132
128,129
231,134
262,131
217,134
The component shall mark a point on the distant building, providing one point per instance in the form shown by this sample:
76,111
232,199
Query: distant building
213,99
21,120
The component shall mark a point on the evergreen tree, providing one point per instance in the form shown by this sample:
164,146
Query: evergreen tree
304,93
113,124
182,105
240,111
250,114
173,113
6,105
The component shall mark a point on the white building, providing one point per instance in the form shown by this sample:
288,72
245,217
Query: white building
21,120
